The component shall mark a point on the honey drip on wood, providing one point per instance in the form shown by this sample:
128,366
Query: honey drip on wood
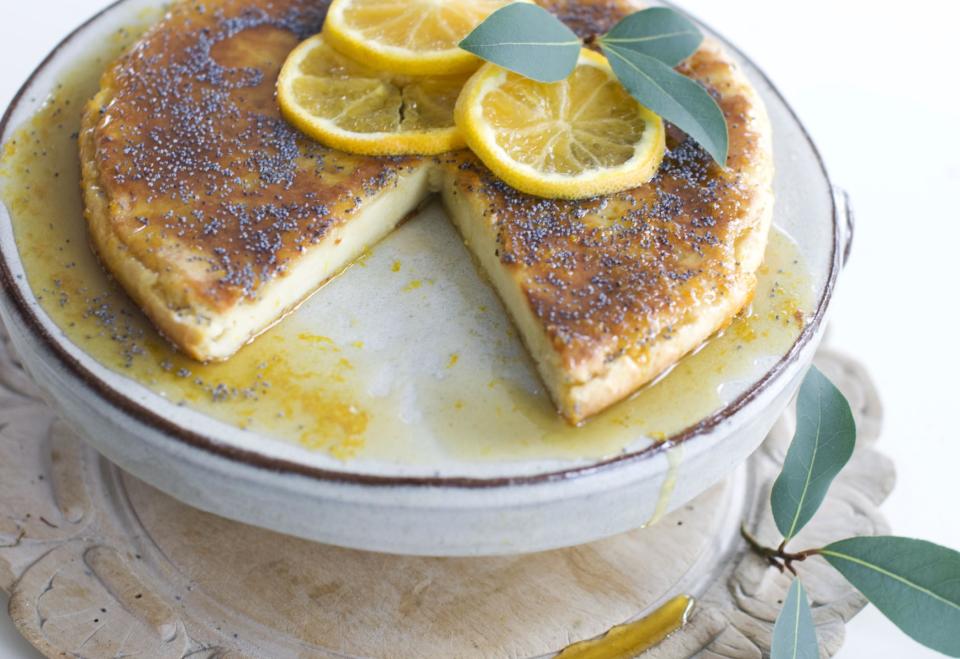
634,638
319,387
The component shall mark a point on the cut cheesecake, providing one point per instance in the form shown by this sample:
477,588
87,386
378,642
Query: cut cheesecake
218,218
611,291
216,215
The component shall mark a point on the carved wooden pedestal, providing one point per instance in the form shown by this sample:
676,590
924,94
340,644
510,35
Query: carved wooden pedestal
99,564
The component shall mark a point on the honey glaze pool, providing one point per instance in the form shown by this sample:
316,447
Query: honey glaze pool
339,375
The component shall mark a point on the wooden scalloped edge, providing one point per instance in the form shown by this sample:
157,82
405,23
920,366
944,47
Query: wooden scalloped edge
737,613
76,598
74,593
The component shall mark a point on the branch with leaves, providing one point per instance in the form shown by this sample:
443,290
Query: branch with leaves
642,50
915,583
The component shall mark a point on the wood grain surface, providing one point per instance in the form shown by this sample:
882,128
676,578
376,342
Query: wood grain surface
99,564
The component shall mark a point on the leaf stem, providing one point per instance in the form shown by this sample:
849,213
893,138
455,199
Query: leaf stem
779,558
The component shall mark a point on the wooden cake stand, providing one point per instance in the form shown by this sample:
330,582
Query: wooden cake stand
99,564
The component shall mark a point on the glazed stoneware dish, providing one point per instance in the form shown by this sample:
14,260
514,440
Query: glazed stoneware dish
396,410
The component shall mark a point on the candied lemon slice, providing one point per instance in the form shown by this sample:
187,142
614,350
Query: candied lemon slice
576,138
414,37
348,106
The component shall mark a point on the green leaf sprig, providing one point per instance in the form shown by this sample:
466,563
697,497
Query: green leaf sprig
794,635
915,583
642,50
823,444
518,38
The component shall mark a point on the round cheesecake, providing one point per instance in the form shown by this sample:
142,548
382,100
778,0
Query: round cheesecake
218,217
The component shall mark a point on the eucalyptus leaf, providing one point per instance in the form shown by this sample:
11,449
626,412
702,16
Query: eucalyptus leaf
794,636
674,97
915,583
822,445
659,32
528,40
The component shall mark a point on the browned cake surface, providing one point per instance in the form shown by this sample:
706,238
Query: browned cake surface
611,268
192,176
202,175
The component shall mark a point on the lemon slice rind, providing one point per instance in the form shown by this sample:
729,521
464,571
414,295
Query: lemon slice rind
397,59
482,138
328,132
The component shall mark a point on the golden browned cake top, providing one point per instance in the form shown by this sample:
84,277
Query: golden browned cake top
203,174
613,273
199,167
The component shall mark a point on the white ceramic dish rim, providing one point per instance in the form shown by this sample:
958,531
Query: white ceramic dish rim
98,378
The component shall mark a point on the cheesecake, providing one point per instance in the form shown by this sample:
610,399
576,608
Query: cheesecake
218,217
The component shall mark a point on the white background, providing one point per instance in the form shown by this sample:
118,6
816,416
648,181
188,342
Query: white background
877,85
